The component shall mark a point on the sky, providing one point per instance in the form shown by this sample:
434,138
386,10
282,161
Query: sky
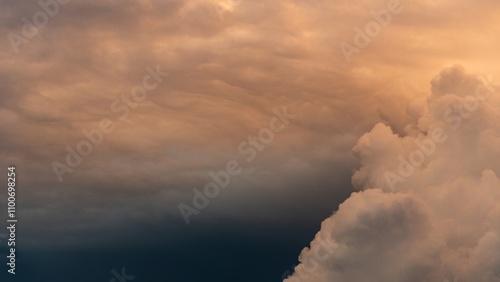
251,140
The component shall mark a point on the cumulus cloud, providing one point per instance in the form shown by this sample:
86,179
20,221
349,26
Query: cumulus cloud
429,206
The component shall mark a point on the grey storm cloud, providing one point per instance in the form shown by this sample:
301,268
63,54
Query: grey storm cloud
226,75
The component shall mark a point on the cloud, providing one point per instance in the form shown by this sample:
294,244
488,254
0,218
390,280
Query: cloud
226,76
438,222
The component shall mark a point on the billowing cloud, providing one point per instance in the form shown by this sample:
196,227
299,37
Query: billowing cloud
429,205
